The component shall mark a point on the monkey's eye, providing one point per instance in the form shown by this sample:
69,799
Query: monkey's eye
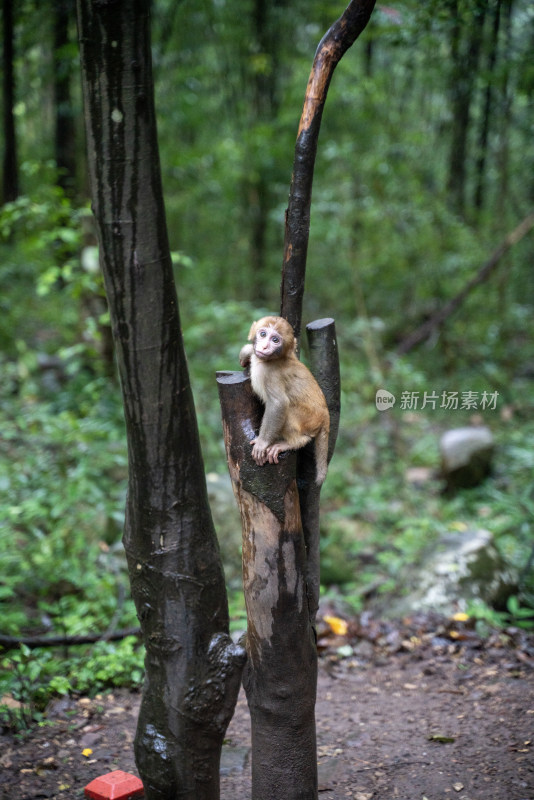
276,339
263,334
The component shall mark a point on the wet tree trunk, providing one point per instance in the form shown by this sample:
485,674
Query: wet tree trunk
279,504
192,668
281,671
330,51
279,507
324,364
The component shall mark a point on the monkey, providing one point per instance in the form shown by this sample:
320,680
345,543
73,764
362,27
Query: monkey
295,407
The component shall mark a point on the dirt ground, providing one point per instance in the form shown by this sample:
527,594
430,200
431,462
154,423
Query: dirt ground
422,709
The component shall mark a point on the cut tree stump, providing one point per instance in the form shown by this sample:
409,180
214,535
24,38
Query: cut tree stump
279,506
280,676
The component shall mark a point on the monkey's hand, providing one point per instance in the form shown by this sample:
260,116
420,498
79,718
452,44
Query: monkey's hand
259,450
245,354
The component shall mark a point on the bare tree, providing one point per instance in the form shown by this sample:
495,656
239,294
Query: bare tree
279,504
193,670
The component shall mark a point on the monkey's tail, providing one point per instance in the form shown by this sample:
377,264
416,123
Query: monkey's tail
321,455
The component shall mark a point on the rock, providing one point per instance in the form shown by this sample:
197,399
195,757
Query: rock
466,455
462,568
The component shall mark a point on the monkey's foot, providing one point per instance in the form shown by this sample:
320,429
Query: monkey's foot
274,450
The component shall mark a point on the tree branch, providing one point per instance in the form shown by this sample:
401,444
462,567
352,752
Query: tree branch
484,273
10,642
331,49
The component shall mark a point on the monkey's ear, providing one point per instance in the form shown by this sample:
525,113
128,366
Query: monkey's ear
252,331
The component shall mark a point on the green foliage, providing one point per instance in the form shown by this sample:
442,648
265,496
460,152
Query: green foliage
387,249
42,264
62,493
31,678
516,615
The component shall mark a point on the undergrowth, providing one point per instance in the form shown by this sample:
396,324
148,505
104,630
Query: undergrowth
63,470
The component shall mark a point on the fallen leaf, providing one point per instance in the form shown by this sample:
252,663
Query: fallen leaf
338,626
460,617
438,737
87,752
84,701
457,787
49,763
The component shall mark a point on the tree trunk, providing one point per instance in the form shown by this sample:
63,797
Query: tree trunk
264,41
281,523
281,580
324,364
192,668
10,175
280,676
65,133
464,72
506,102
330,51
483,136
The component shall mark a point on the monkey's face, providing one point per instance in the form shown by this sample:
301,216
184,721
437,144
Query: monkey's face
273,338
268,343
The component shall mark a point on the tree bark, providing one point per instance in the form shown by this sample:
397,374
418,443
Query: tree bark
192,668
10,175
324,364
330,50
465,65
280,522
65,132
485,122
281,579
280,677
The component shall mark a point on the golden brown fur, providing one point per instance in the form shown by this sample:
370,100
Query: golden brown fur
295,408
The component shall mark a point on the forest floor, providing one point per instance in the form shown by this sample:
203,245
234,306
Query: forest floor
415,710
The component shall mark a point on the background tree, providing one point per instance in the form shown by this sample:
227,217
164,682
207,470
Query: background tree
467,32
10,181
65,130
